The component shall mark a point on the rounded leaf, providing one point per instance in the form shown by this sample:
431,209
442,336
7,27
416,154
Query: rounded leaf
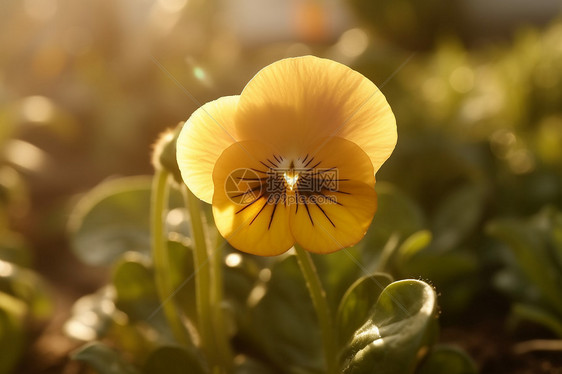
103,359
133,280
112,219
401,324
356,304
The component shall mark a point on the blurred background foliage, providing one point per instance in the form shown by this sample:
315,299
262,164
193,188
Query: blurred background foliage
470,200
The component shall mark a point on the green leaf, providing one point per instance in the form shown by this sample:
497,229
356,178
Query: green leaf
14,249
181,275
173,360
241,273
337,272
538,315
457,216
396,214
528,243
357,303
444,359
136,295
12,331
402,323
133,280
112,219
103,359
92,315
283,322
412,245
27,286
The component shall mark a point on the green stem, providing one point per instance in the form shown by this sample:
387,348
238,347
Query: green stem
321,306
164,285
209,292
221,332
387,252
202,276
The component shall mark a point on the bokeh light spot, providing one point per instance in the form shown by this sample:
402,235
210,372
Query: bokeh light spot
462,79
40,10
172,6
24,155
37,109
199,73
434,89
521,161
233,259
353,42
6,269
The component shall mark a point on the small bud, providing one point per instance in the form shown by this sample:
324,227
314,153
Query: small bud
164,153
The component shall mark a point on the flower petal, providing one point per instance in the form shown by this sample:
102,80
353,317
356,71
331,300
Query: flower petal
293,101
205,135
250,218
341,213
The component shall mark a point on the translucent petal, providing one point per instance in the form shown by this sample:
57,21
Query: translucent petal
205,135
247,215
292,102
341,213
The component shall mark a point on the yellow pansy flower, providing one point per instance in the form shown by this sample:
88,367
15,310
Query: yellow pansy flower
292,158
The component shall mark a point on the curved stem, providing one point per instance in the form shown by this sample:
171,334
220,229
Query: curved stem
164,285
321,306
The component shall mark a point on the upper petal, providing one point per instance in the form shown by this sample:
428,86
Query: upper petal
205,135
294,101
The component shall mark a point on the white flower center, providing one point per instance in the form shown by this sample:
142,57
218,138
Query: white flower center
291,178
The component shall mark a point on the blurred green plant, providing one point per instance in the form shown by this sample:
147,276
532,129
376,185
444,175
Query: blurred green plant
438,248
532,273
409,23
25,304
25,301
480,138
269,317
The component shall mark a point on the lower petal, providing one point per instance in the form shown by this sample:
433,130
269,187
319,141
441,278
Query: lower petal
338,214
247,214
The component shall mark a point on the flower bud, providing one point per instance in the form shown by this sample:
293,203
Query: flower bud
164,153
